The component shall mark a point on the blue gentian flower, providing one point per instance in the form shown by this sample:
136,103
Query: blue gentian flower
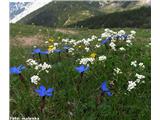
36,51
17,70
44,52
43,92
117,36
106,40
81,69
105,89
124,36
57,50
66,47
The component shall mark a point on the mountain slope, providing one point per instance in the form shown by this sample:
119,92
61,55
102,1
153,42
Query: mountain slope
62,13
138,18
69,13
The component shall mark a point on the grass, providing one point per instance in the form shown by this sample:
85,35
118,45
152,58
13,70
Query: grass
123,105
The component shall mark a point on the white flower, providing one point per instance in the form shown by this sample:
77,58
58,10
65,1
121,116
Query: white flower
113,45
139,76
133,32
121,32
87,49
93,37
46,66
31,62
129,42
86,43
65,40
55,44
131,85
72,41
102,58
35,79
70,50
43,67
117,71
85,61
141,65
122,49
99,39
97,46
134,63
34,46
107,29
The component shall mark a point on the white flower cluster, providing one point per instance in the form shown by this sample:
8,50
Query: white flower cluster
86,61
107,33
35,79
97,46
113,46
141,65
43,67
132,84
87,49
134,63
31,62
102,58
122,49
139,77
121,32
65,40
117,71
129,42
55,44
71,50
133,32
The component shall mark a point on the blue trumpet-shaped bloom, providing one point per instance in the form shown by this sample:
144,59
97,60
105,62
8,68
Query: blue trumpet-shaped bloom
124,36
42,91
106,40
17,70
44,52
36,51
66,47
57,50
81,69
105,89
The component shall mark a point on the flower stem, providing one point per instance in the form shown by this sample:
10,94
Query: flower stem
42,103
21,77
48,57
40,56
99,99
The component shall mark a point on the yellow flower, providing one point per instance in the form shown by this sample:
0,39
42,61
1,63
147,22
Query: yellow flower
51,47
79,46
93,55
